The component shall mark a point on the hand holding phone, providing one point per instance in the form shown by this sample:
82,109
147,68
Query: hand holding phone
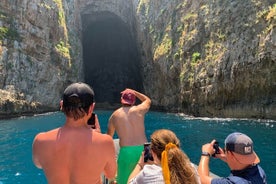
92,120
216,147
147,153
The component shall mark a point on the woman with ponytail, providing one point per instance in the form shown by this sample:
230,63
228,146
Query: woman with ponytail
170,164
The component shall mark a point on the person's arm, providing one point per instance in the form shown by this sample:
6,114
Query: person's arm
110,169
139,167
97,124
35,152
110,126
146,101
203,167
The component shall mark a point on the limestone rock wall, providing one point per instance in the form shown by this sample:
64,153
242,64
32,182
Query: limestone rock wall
205,58
39,56
212,58
121,8
41,49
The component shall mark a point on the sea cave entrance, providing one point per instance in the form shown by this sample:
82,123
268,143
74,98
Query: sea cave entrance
110,55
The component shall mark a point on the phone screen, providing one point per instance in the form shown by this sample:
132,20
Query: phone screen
91,121
147,153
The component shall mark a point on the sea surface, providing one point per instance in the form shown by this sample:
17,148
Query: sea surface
16,137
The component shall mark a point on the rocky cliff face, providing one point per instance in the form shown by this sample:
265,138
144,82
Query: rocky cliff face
205,58
39,56
211,58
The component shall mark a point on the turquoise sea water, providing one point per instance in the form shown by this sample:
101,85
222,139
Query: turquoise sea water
16,136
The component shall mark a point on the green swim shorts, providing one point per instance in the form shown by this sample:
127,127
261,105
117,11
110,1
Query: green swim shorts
127,160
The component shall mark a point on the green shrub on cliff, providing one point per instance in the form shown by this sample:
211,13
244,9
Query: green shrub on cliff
271,13
195,57
8,33
3,32
63,49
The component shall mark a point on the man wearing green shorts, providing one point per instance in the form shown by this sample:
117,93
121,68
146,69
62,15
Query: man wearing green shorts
128,122
127,160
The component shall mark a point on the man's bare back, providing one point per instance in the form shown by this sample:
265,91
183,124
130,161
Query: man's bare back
129,125
128,122
68,155
75,153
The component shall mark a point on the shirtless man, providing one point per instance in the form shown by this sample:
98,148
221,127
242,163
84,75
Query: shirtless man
75,153
128,122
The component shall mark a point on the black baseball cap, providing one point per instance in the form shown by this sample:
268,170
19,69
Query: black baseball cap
78,95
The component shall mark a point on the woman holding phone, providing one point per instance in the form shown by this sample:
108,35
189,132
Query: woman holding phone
170,164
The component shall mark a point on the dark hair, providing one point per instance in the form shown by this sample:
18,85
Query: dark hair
76,112
77,98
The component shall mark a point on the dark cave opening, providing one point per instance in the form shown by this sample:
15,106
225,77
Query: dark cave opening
110,55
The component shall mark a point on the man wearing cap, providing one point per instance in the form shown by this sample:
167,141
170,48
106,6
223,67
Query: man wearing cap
240,157
128,122
75,153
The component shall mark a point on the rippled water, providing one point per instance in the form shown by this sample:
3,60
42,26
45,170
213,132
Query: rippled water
16,136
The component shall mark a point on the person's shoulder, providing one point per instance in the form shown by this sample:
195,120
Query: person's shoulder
116,112
152,168
261,170
106,141
221,181
153,173
118,109
103,137
46,135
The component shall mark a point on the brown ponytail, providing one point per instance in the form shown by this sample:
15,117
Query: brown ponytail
167,148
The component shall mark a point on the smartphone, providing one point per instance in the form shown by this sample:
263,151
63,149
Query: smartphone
216,147
147,153
91,121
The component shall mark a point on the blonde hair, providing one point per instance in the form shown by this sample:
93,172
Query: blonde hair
176,165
